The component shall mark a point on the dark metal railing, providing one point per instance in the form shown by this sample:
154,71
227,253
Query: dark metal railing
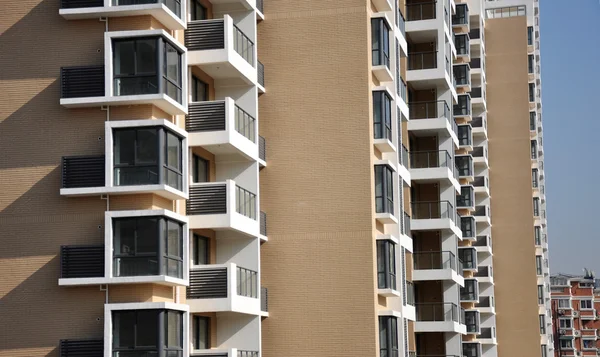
247,282
260,5
207,199
245,124
435,311
404,157
481,211
477,122
80,348
480,181
475,63
82,261
486,332
433,210
264,299
429,110
430,159
434,260
422,60
484,271
207,283
476,92
262,148
421,11
260,73
83,171
241,353
245,202
205,35
74,4
485,301
402,89
205,116
482,241
263,223
243,45
82,81
474,34
477,151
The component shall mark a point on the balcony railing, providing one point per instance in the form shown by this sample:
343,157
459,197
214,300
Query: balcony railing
260,68
205,35
207,283
241,353
429,110
83,81
479,151
482,241
421,11
82,261
486,332
422,60
245,202
260,6
433,210
485,301
404,157
264,299
401,23
243,45
478,122
484,272
263,223
476,92
474,34
247,282
206,116
437,312
482,211
245,124
434,260
262,148
475,63
76,348
83,171
480,181
207,199
430,159
406,224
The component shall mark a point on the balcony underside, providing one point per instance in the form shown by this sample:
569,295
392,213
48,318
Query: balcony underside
165,191
162,101
440,326
224,65
435,224
158,11
438,274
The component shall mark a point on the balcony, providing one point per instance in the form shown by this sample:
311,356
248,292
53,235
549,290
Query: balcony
486,305
487,336
223,128
223,288
439,317
466,198
465,167
404,167
430,266
482,185
484,274
460,20
421,11
433,166
166,12
462,76
480,155
483,244
479,125
463,46
222,51
432,117
427,68
467,226
223,206
470,292
463,109
440,215
483,215
465,137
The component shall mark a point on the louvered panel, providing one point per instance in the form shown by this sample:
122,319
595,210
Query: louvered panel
207,284
83,171
82,261
81,348
262,148
74,4
210,199
260,68
263,223
78,82
205,35
205,116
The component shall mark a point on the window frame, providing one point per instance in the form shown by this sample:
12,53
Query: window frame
568,306
463,105
195,83
380,42
538,265
532,121
537,234
386,265
193,5
540,294
536,206
531,92
196,257
384,178
533,149
591,304
464,164
567,345
462,44
384,120
462,200
469,292
462,75
471,257
196,331
562,323
388,337
542,319
529,35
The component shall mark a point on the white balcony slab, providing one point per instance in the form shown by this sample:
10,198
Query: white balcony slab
438,274
165,191
435,174
162,101
440,326
435,224
441,126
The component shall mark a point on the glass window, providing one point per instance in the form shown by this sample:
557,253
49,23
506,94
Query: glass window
382,115
530,35
197,11
470,291
536,206
466,197
538,235
533,149
568,344
472,321
201,254
540,294
199,90
464,164
532,92
467,226
137,247
173,172
538,264
172,72
462,76
532,123
201,333
386,264
384,192
461,42
464,105
468,256
586,304
530,63
380,42
564,303
542,324
200,169
589,344
565,323
465,137
388,336
534,178
470,350
137,332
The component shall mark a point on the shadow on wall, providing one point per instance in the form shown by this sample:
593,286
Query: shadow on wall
38,313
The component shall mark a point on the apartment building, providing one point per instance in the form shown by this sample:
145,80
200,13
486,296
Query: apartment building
575,316
140,226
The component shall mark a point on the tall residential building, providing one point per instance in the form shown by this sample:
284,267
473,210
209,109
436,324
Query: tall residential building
402,137
575,314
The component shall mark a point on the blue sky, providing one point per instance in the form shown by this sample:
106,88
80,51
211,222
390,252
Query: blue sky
570,63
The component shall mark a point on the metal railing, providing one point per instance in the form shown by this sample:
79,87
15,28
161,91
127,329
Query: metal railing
478,151
430,159
433,210
406,225
262,148
207,199
481,211
429,110
421,11
485,301
263,223
404,157
437,312
81,261
482,241
260,6
260,72
264,299
243,45
75,348
422,60
478,122
245,124
480,181
402,89
247,282
486,332
205,35
434,260
484,271
205,116
241,353
210,283
83,171
245,202
401,23
82,81
475,63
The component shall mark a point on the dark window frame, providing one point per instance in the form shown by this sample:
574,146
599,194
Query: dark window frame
464,165
388,336
531,92
466,198
380,42
384,201
196,159
196,82
533,149
461,42
386,264
530,64
536,206
474,326
382,124
461,74
196,331
196,256
468,257
542,324
463,105
467,228
537,233
470,291
470,347
538,264
532,121
530,35
195,5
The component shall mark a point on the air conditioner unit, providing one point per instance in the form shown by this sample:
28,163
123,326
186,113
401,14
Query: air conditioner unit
575,313
562,332
561,312
576,333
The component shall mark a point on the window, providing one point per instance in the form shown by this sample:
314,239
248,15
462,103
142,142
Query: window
538,264
470,291
540,292
468,256
530,35
147,332
465,137
466,197
200,169
508,11
464,105
137,158
380,42
462,15
386,264
197,11
542,324
388,336
565,323
564,303
145,246
467,226
472,321
137,67
173,5
531,92
384,189
470,349
530,62
534,178
462,75
199,90
382,115
464,164
201,333
201,254
461,42
567,344
536,206
538,235
544,349
533,149
532,123
586,304
589,344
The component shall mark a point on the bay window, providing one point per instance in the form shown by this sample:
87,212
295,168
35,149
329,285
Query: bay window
382,115
380,42
386,264
388,336
384,189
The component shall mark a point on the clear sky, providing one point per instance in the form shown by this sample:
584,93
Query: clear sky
570,63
